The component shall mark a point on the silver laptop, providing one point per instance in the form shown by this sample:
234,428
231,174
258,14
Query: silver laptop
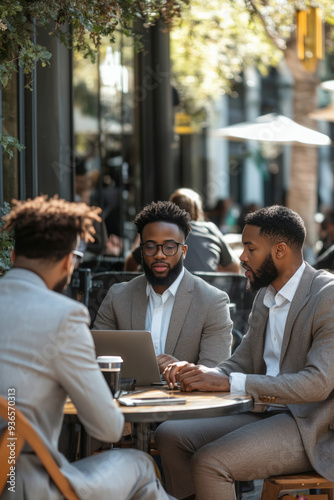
136,349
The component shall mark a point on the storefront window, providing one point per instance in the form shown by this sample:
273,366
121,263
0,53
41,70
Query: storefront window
104,140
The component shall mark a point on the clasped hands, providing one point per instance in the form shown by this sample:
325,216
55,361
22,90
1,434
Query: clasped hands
195,377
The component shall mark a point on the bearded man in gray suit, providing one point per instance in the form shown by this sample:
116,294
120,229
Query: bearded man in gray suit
188,318
47,352
285,362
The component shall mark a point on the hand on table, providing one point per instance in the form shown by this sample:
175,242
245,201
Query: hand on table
196,377
164,360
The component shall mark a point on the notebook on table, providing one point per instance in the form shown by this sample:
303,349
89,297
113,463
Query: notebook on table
137,350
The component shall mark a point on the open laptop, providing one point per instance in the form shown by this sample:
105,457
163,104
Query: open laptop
136,349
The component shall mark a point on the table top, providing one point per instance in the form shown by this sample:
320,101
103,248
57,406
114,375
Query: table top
198,405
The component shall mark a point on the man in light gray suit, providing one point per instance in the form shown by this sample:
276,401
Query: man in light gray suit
285,362
188,318
47,352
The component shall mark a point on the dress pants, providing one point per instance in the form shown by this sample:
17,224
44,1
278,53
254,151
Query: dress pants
206,456
121,474
111,475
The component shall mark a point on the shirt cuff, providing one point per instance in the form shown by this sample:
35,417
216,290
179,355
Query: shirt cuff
238,383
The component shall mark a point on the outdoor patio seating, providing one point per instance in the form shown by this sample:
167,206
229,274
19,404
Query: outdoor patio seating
24,432
273,486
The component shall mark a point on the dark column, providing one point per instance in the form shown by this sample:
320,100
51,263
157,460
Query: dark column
48,109
154,118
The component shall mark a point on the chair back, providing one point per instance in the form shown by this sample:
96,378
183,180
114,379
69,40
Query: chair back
100,284
235,286
232,283
23,432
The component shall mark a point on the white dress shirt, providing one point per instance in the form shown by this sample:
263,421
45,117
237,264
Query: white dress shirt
159,311
279,305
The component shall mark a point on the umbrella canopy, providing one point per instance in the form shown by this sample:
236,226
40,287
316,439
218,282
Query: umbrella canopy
326,114
329,85
273,128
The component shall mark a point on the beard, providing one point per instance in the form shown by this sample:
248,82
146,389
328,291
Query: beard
62,284
264,276
163,280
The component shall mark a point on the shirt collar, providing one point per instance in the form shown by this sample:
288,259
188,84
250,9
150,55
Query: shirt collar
287,292
170,291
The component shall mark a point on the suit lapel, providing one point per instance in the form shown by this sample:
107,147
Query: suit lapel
300,298
139,305
259,321
183,298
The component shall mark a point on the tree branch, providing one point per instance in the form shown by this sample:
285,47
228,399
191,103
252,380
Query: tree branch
273,35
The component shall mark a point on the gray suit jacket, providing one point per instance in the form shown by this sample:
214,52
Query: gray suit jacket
306,379
46,353
200,326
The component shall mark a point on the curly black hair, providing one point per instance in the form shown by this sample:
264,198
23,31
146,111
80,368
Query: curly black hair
163,211
49,228
279,223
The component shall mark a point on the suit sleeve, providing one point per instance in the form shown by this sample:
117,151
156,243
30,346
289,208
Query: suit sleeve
314,382
216,337
105,318
77,371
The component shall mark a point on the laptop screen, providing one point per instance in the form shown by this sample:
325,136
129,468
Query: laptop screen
136,349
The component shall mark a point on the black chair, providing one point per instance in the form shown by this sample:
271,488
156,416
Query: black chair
101,282
80,286
231,283
235,286
325,260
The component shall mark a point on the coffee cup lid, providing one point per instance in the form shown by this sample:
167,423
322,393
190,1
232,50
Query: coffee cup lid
109,359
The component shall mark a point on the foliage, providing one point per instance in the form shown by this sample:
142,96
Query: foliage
215,41
98,18
6,242
7,142
95,18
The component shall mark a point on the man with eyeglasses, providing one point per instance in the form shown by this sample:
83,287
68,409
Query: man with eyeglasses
47,353
188,318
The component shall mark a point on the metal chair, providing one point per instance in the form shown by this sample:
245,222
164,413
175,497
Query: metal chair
272,486
235,286
101,282
24,432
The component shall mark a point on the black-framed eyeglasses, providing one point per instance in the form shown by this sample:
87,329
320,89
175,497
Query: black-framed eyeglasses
169,248
77,258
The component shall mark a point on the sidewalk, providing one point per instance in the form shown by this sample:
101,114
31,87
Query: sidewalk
256,494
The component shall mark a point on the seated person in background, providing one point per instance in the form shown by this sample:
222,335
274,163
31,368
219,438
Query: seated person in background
47,352
188,318
207,249
285,362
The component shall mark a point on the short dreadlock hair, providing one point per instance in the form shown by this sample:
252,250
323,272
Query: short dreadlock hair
48,229
279,223
163,211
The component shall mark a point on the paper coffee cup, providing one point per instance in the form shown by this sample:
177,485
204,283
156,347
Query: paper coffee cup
111,369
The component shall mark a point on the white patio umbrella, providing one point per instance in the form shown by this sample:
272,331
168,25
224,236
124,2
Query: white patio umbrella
326,114
273,128
329,85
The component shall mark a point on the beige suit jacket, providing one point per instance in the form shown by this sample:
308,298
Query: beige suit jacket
306,379
200,326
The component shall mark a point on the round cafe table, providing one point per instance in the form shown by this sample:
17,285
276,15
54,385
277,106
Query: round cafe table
197,405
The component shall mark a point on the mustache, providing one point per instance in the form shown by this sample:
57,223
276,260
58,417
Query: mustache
245,265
